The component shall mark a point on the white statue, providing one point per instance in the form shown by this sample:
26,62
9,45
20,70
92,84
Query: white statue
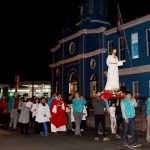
112,74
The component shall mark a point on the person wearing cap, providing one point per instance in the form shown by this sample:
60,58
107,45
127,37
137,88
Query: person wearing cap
128,105
112,74
148,120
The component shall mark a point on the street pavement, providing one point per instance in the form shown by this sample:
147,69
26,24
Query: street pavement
14,140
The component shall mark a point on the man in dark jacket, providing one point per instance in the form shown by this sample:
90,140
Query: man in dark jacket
99,112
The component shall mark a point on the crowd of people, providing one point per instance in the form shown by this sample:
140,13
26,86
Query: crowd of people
55,114
59,114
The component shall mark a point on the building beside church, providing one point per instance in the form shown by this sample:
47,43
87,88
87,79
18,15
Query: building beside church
78,61
36,88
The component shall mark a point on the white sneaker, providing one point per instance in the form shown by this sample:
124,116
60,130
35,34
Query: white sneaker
96,138
135,145
82,130
118,136
73,130
125,144
105,139
99,132
129,136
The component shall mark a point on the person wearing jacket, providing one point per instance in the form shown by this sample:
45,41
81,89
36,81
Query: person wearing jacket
24,117
13,103
100,107
128,105
78,106
83,121
148,120
43,116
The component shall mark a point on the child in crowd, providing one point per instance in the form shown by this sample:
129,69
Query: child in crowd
43,117
112,111
34,112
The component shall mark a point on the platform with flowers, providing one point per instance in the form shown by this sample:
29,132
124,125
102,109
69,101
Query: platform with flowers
111,94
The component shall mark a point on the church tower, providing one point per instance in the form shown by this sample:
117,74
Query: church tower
66,31
93,14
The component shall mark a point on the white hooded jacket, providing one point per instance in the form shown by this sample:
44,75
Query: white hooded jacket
43,113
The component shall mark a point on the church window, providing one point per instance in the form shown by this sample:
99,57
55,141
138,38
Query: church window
110,47
148,41
90,6
136,88
135,45
121,48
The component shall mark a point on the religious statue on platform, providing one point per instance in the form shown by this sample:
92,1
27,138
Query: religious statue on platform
112,74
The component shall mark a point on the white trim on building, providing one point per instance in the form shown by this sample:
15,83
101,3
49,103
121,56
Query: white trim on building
78,57
77,34
129,24
102,29
92,20
133,70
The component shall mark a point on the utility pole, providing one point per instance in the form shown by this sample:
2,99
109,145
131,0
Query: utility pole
32,89
16,82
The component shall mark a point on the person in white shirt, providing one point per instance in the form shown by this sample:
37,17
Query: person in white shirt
43,116
34,112
112,111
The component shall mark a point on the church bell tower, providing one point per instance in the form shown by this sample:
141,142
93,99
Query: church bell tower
93,14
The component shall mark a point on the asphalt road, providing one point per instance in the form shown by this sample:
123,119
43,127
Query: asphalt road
13,140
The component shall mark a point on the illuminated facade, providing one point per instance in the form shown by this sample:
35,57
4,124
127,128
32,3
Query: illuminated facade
36,88
78,61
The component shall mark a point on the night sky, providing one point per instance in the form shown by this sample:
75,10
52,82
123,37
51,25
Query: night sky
29,29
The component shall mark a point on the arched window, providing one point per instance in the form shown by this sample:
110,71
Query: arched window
93,84
93,77
73,83
73,77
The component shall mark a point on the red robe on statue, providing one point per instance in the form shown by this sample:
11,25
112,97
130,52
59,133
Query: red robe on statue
58,113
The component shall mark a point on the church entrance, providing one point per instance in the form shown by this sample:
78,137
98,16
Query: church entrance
73,83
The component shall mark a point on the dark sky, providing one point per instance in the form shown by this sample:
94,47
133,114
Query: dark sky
29,29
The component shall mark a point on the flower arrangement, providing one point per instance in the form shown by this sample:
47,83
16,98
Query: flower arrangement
108,94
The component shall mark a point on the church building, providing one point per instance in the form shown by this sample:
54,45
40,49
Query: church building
78,61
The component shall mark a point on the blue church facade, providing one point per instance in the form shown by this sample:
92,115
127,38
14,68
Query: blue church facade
78,61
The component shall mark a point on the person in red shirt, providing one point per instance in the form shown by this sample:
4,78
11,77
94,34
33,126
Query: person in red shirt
4,112
58,117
